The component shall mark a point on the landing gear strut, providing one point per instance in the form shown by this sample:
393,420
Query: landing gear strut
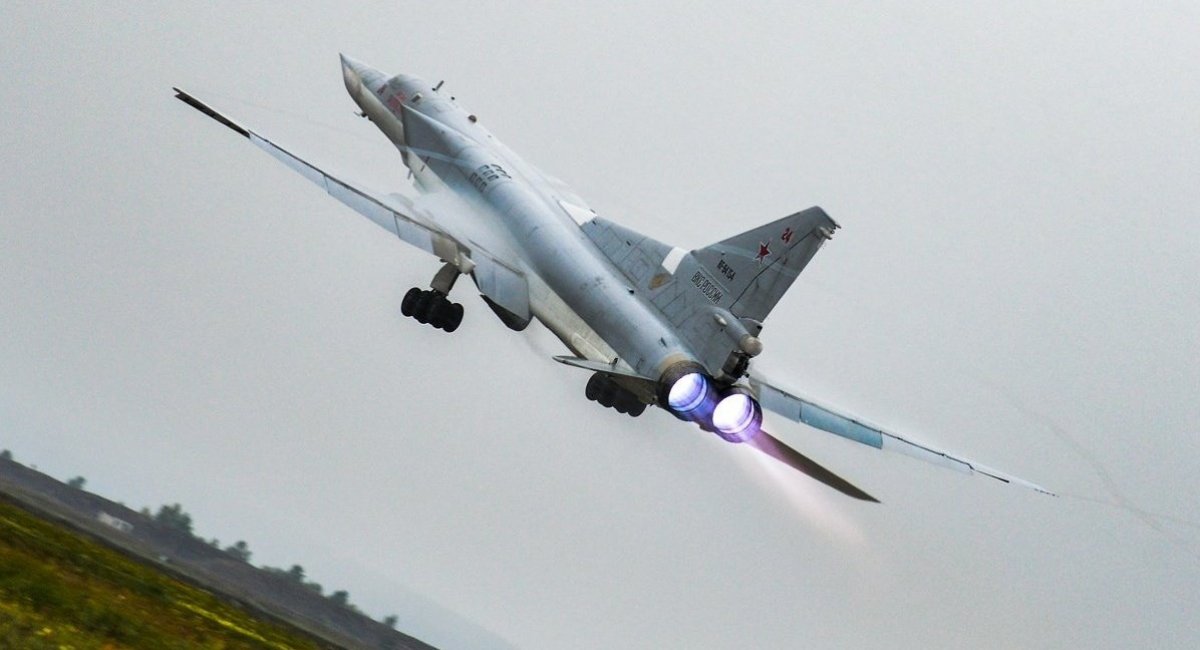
432,306
601,388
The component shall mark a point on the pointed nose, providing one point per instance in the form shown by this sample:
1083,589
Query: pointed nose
356,74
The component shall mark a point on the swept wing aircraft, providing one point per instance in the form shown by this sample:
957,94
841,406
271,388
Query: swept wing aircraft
653,324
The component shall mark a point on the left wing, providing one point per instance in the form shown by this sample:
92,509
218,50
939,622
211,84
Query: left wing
500,281
799,409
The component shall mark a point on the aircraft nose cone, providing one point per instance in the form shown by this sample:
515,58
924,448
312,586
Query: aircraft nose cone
351,64
357,73
350,76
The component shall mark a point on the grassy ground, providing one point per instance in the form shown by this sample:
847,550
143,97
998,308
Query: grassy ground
59,590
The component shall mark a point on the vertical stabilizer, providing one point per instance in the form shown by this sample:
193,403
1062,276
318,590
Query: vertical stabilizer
717,297
748,273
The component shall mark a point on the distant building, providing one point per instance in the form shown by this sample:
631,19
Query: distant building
119,524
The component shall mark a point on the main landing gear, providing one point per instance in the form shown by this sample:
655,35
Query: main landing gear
432,306
601,388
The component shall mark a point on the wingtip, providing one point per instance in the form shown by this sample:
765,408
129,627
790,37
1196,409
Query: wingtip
209,111
1008,478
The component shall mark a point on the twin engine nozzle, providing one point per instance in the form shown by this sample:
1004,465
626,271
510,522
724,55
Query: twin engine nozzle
690,394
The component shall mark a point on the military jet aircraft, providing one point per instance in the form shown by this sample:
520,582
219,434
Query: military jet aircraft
653,324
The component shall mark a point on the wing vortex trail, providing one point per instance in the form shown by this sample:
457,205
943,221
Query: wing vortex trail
1117,499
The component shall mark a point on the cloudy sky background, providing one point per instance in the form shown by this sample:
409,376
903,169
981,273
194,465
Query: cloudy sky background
184,319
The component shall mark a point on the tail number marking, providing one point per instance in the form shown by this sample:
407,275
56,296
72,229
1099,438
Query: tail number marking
726,270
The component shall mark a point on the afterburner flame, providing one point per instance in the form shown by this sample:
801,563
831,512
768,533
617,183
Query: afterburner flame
687,393
737,416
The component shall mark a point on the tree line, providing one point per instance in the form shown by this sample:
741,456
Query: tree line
174,517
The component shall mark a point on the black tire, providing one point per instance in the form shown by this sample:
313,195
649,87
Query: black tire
607,395
423,306
410,302
594,387
630,404
438,312
455,318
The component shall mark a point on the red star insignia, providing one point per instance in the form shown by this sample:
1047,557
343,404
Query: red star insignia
763,251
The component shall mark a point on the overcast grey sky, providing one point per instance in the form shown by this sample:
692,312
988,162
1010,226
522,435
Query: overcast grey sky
183,319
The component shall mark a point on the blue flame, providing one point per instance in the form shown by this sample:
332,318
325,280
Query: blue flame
737,417
687,393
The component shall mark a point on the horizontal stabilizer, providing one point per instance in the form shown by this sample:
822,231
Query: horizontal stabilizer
619,369
780,451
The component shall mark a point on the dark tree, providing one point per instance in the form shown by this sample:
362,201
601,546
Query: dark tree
340,597
77,483
175,518
240,550
296,573
5,455
390,620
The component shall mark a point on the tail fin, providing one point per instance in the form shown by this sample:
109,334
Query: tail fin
743,276
748,273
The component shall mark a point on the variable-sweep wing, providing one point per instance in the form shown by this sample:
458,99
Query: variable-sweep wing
799,409
654,325
500,280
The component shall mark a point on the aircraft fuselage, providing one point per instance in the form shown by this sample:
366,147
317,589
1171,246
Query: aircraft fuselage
446,148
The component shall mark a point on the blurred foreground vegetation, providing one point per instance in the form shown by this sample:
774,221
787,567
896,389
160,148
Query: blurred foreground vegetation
59,590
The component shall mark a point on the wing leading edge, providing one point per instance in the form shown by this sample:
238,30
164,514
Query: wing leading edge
798,409
496,279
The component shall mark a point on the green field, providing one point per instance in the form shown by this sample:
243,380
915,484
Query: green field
60,590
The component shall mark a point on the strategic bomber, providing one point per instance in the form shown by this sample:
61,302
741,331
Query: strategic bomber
654,324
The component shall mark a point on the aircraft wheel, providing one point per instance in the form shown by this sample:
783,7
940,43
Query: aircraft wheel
437,312
410,302
423,307
594,386
454,317
606,396
629,404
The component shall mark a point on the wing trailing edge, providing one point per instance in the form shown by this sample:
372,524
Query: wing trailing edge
803,410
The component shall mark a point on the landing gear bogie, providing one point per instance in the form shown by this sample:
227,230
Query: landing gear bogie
603,390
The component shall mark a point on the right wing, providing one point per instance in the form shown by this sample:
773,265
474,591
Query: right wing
496,279
799,409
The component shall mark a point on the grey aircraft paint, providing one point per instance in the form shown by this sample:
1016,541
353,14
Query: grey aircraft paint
656,325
